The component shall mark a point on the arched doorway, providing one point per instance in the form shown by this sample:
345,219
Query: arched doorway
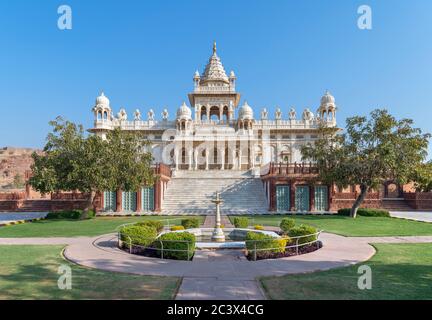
214,114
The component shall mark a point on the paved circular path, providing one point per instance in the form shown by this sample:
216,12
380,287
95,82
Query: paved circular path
226,278
216,275
102,253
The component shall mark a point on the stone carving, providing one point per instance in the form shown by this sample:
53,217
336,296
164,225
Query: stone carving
122,115
292,114
137,115
278,114
308,115
150,115
165,114
264,114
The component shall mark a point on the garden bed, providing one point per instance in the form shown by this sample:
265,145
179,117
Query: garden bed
289,252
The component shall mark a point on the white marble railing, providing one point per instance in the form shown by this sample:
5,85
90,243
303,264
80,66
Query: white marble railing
214,89
166,124
134,125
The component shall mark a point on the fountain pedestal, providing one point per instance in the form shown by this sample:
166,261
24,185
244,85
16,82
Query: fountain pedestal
218,235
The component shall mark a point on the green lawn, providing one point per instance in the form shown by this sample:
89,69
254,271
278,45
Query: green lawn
399,271
74,228
30,272
361,226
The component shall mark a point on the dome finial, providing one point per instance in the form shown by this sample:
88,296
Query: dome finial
214,47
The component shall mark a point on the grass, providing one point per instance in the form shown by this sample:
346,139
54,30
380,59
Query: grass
358,227
75,228
30,272
399,271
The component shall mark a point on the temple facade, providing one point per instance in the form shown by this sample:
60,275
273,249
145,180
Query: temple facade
217,133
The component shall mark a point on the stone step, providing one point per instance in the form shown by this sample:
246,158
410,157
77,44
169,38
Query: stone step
239,192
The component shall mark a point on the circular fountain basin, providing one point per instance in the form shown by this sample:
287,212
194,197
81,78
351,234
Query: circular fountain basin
234,237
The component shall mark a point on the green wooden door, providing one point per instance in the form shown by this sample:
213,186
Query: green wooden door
302,198
321,198
147,196
282,198
110,201
129,201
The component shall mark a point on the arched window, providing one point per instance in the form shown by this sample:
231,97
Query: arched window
203,113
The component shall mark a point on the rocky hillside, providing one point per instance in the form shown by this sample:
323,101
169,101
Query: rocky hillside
13,164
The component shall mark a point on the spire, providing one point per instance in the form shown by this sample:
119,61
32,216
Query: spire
214,70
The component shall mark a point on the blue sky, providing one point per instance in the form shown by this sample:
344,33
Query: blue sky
144,53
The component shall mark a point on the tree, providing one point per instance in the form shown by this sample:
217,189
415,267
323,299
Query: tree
423,177
370,152
71,161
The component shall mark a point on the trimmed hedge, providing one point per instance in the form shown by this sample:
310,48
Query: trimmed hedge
303,230
190,223
71,214
177,228
157,225
241,222
287,224
139,235
365,212
265,244
177,241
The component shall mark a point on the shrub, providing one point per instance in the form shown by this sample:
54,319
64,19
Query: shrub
241,222
177,228
265,244
258,227
303,230
157,225
138,235
71,214
190,223
287,224
174,241
365,212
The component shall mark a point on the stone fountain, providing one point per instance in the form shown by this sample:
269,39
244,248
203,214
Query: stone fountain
218,235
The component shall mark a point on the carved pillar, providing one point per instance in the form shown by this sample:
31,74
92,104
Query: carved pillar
206,158
292,196
176,155
221,113
158,196
223,160
208,112
240,159
272,198
190,158
312,198
196,158
139,201
119,198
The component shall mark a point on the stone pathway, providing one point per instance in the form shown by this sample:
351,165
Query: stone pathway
14,218
210,221
216,274
413,215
